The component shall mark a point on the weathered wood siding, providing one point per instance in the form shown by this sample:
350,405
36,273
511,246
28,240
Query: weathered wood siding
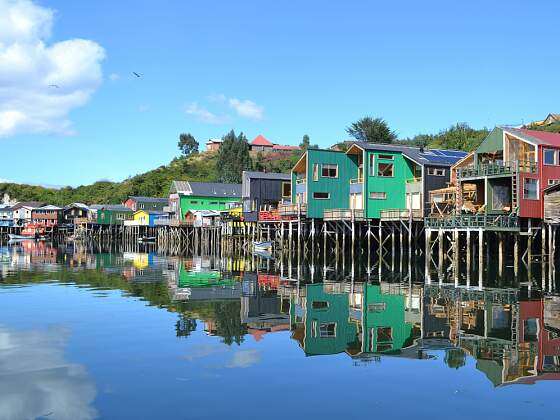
552,207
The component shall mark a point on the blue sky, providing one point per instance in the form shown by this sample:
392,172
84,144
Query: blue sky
281,69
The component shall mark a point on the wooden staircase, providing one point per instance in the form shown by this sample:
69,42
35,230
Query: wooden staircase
514,194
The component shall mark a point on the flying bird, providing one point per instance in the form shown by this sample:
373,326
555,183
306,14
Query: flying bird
136,74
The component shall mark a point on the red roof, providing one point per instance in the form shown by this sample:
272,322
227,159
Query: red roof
261,141
551,139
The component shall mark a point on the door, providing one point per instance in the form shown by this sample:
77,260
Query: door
356,201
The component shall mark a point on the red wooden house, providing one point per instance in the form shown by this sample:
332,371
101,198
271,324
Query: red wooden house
510,170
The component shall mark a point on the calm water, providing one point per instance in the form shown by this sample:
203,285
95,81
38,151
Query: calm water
96,334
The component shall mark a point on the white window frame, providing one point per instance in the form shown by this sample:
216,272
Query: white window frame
386,176
329,167
553,182
384,197
555,157
434,171
322,198
326,324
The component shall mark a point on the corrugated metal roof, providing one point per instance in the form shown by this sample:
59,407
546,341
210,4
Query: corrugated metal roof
206,189
115,207
30,204
49,207
538,137
148,199
267,175
436,157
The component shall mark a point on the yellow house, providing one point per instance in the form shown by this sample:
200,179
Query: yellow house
141,217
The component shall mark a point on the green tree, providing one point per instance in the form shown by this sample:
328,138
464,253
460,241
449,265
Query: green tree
187,144
233,157
371,130
306,143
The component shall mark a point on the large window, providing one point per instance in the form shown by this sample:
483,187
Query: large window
321,195
286,189
550,157
327,329
320,304
329,170
531,189
385,169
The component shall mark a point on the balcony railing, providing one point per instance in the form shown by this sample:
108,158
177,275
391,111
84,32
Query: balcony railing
497,168
344,214
482,221
292,210
401,214
300,181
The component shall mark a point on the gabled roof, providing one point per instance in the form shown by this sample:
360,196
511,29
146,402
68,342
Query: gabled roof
267,175
29,204
114,207
422,156
77,205
260,140
49,207
151,212
206,189
148,199
534,136
214,141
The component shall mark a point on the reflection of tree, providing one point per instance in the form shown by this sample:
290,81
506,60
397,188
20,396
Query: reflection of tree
455,358
228,322
185,326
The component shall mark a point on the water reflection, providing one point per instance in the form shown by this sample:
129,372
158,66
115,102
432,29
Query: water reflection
512,333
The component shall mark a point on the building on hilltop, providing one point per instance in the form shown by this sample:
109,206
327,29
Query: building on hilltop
262,144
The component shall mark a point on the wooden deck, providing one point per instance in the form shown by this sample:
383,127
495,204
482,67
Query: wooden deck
356,215
401,214
487,222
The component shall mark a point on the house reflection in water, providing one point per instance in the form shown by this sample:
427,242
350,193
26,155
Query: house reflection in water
512,334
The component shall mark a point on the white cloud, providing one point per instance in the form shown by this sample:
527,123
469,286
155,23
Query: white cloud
41,84
244,359
246,108
202,114
36,381
114,77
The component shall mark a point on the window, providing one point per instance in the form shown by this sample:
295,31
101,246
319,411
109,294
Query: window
212,203
327,329
286,189
320,304
194,202
550,157
378,195
384,334
553,181
531,189
315,172
321,195
385,169
436,171
376,307
329,170
141,205
386,157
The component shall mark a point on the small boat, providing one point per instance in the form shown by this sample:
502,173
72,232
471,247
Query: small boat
147,239
262,246
30,231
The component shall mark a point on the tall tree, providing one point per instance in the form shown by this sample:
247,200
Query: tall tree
233,157
372,130
306,143
187,144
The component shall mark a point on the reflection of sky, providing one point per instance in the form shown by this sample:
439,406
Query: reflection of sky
36,380
141,369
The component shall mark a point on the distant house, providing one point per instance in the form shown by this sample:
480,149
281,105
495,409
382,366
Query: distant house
213,145
262,192
146,203
189,195
262,144
48,215
113,214
6,215
74,211
22,211
92,211
551,119
147,217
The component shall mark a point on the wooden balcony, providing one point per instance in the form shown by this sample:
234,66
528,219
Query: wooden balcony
479,221
499,168
292,210
356,215
401,214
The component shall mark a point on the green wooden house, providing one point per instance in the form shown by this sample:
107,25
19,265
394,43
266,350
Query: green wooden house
321,180
113,214
188,196
393,179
